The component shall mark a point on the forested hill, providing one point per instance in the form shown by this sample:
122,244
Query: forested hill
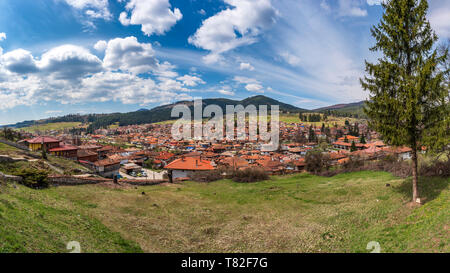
157,114
355,109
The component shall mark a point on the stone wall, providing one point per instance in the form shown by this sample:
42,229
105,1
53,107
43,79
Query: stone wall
74,181
10,143
8,159
142,182
10,178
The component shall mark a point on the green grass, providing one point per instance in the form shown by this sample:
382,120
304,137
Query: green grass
57,126
42,221
331,120
69,166
300,213
7,148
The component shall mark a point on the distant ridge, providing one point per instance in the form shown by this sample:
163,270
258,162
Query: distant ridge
340,106
354,109
157,114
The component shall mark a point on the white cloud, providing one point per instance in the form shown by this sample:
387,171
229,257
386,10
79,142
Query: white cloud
290,58
251,84
374,2
100,46
325,5
19,61
226,92
254,87
92,8
165,70
71,74
234,27
127,54
189,80
154,16
69,62
2,36
351,8
246,66
440,22
245,80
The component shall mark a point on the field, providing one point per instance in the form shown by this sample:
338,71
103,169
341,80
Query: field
58,126
300,213
331,120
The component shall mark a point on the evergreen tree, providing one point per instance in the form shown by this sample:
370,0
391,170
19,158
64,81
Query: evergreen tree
44,153
353,147
362,140
346,139
409,97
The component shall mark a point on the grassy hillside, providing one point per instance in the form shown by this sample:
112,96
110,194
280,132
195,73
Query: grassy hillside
300,213
6,149
356,108
58,126
42,221
331,120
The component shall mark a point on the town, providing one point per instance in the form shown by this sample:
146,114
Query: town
146,152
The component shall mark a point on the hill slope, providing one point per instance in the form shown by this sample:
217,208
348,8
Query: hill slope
352,109
299,213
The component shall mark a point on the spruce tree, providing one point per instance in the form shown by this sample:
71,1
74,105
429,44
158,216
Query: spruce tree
353,147
362,140
409,97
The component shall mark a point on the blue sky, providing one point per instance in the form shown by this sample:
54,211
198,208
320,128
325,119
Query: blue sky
98,56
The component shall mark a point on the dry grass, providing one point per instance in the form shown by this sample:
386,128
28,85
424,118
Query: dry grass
301,213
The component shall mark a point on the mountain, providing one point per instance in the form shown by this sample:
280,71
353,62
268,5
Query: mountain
157,114
350,109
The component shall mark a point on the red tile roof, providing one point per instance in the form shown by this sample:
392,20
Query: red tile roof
190,163
107,162
64,148
43,139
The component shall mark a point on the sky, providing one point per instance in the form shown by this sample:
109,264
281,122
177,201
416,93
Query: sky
61,57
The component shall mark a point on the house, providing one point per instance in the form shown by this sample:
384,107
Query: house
67,151
347,146
402,153
187,166
87,155
131,167
235,163
102,152
107,167
349,138
45,142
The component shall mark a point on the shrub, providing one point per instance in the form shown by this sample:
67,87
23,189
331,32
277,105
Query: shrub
354,164
249,175
36,179
317,162
436,168
207,176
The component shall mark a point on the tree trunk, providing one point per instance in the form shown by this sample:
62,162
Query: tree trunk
415,177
